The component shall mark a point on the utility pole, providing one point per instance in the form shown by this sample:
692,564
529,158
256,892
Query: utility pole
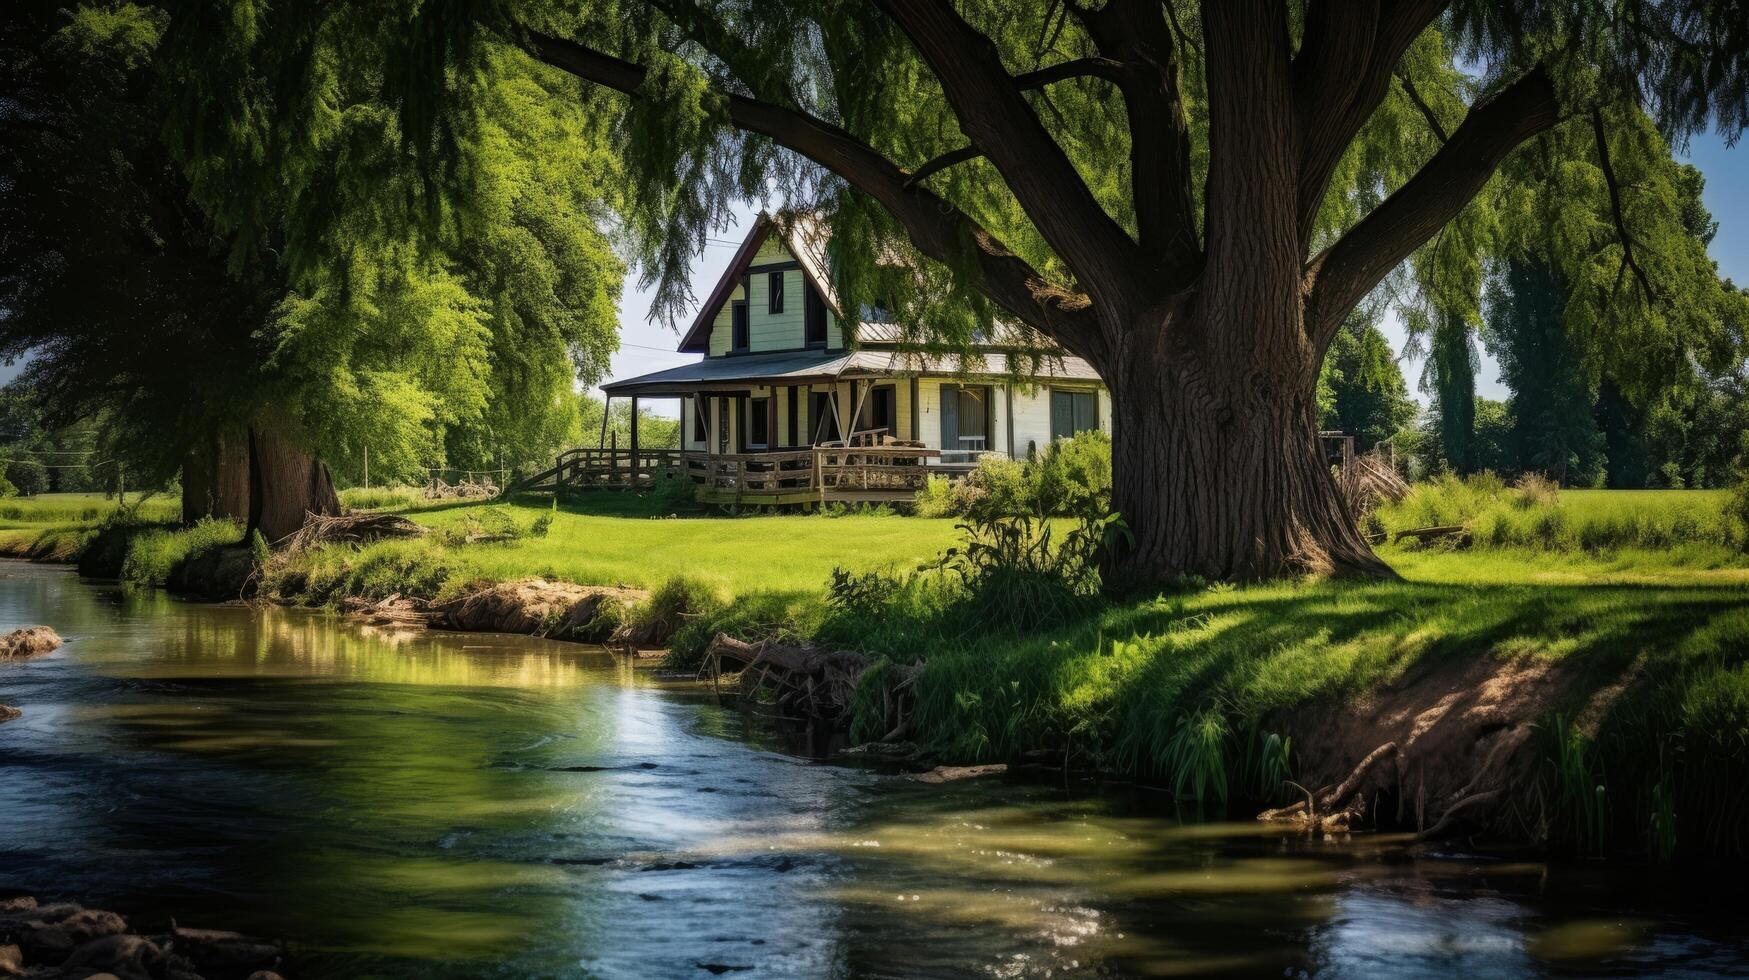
367,467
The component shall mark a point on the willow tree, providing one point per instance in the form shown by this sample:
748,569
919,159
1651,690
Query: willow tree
247,305
1191,197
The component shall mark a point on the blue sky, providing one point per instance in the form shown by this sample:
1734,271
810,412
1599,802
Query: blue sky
646,347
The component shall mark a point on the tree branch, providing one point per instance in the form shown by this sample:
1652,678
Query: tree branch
1346,271
996,117
1135,35
1341,74
936,227
1420,104
1615,206
1077,68
941,163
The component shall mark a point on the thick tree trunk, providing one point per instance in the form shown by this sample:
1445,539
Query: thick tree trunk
285,481
215,478
1216,465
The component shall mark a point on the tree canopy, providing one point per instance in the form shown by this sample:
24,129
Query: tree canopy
161,273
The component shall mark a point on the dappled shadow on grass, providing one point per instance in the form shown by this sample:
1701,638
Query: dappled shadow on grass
1120,681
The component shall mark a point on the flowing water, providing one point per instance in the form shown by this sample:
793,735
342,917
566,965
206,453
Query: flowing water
466,805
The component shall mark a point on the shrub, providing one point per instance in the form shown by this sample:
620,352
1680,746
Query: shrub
672,492
1071,477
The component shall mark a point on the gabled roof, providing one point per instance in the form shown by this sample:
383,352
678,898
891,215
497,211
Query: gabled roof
804,235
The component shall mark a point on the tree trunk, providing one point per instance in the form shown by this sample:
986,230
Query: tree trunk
1216,464
215,478
285,481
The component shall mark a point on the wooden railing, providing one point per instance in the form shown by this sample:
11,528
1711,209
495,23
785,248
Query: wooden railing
611,467
822,471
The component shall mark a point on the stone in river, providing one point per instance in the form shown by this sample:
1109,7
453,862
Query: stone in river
28,642
8,712
11,961
61,934
125,956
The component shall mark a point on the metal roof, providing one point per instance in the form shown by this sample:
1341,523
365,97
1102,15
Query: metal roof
799,367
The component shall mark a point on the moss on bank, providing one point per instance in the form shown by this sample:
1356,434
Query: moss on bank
1210,691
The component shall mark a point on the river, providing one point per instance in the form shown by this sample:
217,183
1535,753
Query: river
472,806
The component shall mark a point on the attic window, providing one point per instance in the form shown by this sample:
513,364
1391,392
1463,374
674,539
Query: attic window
814,318
738,325
774,289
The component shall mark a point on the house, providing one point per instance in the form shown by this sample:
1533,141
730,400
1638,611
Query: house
782,374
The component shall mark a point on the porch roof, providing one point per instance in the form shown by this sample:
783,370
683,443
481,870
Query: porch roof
802,367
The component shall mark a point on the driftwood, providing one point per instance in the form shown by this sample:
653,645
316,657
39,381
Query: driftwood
467,489
800,681
1436,531
350,528
1334,809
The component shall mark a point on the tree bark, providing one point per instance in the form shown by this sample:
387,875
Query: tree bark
215,478
1216,463
286,482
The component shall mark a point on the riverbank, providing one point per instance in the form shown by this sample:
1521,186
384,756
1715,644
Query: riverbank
1589,693
65,939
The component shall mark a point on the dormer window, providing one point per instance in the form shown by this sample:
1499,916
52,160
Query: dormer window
814,319
774,289
738,325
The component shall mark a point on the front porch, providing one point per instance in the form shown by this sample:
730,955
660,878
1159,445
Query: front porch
874,470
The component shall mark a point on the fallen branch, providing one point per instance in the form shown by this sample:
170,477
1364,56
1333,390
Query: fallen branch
349,528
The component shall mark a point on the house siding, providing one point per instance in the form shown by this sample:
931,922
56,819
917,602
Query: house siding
767,331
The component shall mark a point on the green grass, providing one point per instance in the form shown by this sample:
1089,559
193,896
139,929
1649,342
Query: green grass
612,539
33,513
383,498
1575,520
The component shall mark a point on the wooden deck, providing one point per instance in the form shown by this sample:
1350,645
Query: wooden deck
823,474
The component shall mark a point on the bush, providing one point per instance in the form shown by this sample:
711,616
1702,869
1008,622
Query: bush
672,492
382,498
1072,477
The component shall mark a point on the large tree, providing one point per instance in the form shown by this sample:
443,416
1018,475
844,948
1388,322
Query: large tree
1190,196
149,284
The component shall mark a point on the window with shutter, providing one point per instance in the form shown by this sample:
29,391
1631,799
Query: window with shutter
774,291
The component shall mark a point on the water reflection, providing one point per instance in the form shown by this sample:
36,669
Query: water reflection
446,805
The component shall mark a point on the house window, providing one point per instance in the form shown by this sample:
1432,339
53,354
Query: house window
814,318
823,418
758,419
965,420
738,325
1072,412
774,291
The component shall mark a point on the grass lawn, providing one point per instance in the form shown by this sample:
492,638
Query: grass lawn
46,509
612,539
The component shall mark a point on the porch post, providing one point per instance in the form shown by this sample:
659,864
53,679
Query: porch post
634,440
1008,414
606,413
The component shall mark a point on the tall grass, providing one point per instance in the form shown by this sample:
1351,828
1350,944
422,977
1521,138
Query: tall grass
382,498
1534,516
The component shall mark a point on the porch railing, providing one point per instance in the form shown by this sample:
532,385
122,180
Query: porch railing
822,470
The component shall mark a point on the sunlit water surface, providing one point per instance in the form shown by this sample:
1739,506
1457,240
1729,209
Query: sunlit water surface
465,805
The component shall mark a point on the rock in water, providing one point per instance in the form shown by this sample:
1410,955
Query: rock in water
125,956
8,712
56,934
28,642
11,961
